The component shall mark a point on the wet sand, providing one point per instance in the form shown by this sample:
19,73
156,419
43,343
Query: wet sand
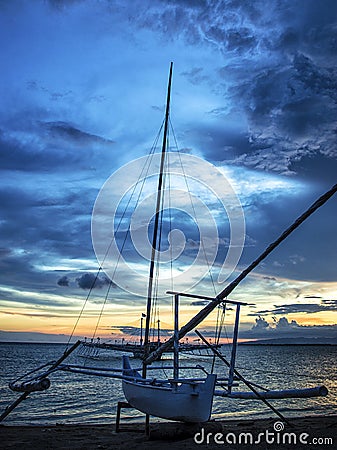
314,432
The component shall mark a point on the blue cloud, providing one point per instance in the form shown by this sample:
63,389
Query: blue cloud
82,92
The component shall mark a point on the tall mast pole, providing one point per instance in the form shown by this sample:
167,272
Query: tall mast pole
156,223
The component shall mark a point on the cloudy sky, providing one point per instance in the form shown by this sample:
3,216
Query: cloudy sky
83,86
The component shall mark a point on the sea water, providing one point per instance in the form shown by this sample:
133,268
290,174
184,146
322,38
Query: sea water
76,398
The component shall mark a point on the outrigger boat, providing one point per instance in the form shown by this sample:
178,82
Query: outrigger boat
95,349
177,398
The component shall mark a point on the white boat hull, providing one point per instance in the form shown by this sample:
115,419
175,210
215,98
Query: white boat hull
185,402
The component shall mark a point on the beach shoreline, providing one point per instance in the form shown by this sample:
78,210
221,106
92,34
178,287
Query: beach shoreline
304,432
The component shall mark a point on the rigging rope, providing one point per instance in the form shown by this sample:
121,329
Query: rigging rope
194,212
143,177
218,329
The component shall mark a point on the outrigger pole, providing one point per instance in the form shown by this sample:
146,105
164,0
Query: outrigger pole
40,384
198,318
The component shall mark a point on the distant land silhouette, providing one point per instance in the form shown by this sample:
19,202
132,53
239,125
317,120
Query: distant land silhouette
293,341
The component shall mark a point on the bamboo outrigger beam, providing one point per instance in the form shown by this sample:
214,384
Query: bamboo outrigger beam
25,394
194,322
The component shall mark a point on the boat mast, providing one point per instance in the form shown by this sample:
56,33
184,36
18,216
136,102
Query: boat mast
156,223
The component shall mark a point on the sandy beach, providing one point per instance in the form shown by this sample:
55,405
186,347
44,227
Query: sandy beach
305,432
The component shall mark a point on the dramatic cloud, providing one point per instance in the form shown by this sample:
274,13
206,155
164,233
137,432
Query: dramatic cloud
279,73
91,281
63,281
71,134
82,93
283,331
308,308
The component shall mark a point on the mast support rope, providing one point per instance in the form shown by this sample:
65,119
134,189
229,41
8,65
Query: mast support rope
142,176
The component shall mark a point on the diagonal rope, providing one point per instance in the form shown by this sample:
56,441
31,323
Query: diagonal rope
194,213
143,177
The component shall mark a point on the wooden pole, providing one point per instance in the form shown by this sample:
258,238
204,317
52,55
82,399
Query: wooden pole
176,338
247,383
10,408
141,331
198,318
234,348
156,224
